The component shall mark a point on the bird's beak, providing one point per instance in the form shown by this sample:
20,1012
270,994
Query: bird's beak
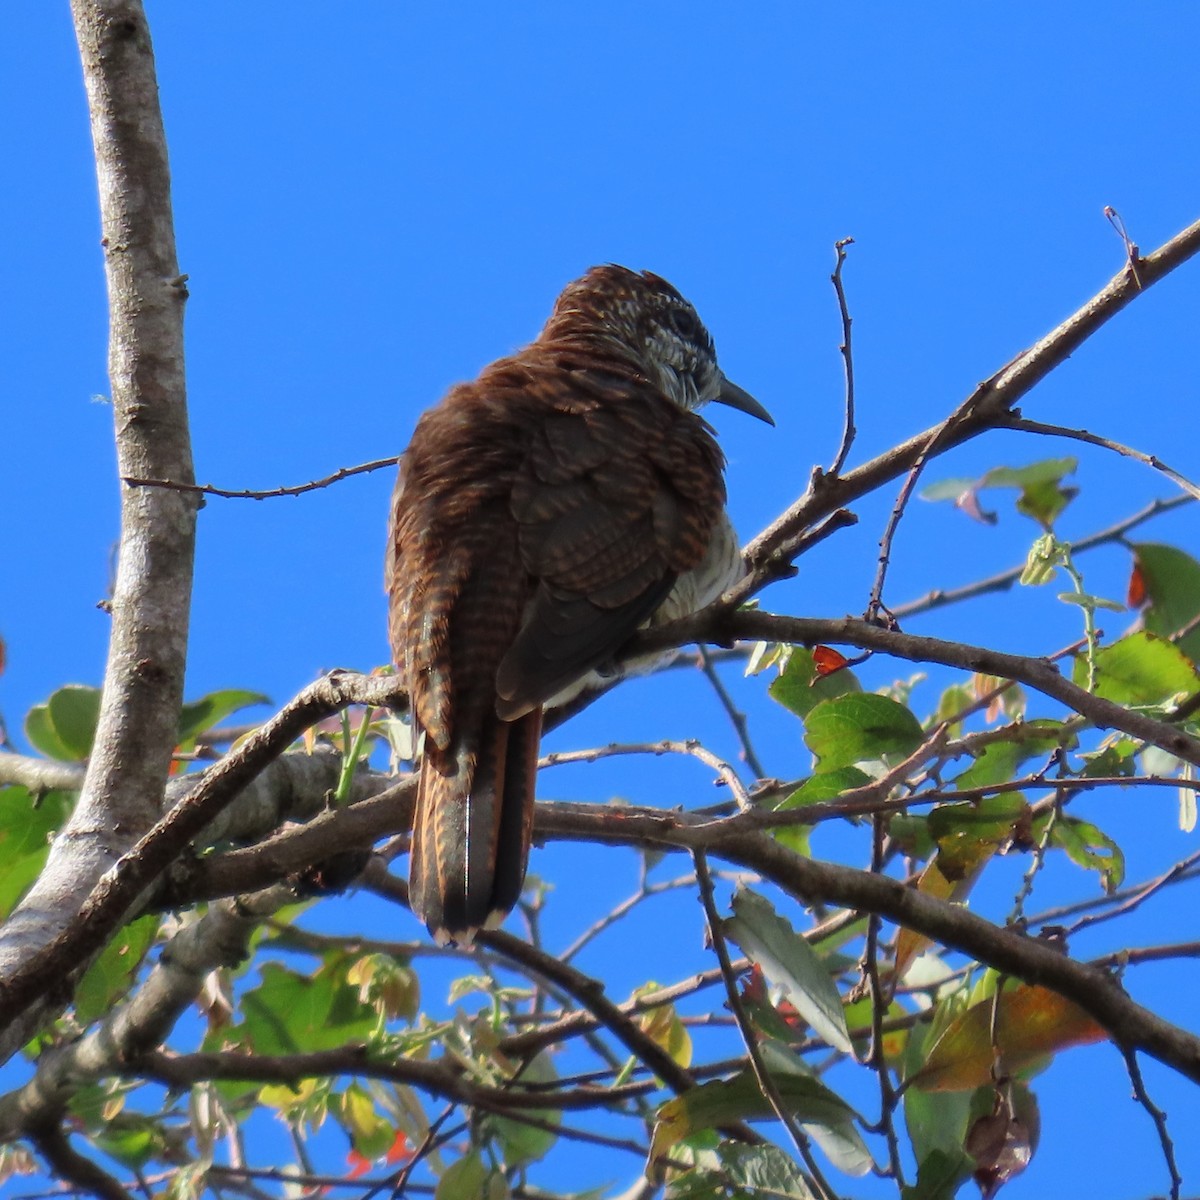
739,398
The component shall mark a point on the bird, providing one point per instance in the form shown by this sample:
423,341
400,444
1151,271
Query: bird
543,513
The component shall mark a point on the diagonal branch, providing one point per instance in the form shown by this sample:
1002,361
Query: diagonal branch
724,627
770,553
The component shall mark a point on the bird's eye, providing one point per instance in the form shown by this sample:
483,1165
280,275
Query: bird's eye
686,324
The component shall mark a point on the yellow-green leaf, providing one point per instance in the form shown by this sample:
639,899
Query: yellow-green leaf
1030,1023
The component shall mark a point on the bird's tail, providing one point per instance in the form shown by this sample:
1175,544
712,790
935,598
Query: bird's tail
472,827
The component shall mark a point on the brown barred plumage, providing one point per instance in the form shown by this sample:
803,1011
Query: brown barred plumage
543,513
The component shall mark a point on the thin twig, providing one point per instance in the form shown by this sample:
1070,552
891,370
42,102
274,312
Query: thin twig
71,1167
622,909
1141,895
1156,1115
737,718
296,489
1132,254
876,610
876,1057
691,747
847,353
1094,439
1017,915
1002,581
749,1035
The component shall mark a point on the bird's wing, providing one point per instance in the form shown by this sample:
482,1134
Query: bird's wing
617,496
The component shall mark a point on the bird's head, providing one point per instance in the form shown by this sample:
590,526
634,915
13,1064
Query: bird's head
649,321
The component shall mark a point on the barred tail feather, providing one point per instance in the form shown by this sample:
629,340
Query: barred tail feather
472,827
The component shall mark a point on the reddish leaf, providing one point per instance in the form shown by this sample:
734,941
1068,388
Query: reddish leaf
968,502
358,1164
827,660
1031,1022
400,1149
1135,597
754,985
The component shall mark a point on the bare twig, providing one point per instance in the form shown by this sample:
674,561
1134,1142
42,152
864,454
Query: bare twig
1132,254
622,909
737,718
1141,894
847,353
1094,439
749,1035
692,748
876,1058
1157,1116
1004,580
71,1167
986,407
297,489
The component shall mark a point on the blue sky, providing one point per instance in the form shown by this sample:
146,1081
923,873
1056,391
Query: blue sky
374,200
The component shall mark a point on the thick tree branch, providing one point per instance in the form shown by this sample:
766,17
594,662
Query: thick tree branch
144,678
118,891
142,1022
771,552
736,840
715,624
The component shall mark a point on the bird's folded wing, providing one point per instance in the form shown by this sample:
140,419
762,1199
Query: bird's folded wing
613,504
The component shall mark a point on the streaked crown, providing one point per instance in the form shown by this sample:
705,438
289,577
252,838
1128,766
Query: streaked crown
644,317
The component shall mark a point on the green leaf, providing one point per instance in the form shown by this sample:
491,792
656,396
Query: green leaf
65,726
791,963
522,1143
967,832
723,1101
817,789
800,688
936,1121
1172,581
997,762
463,1180
1140,669
1089,847
371,1133
289,1013
1046,470
131,1143
860,728
1042,494
109,978
26,827
940,1175
1118,757
764,1170
821,789
957,698
200,715
1045,501
1025,1024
